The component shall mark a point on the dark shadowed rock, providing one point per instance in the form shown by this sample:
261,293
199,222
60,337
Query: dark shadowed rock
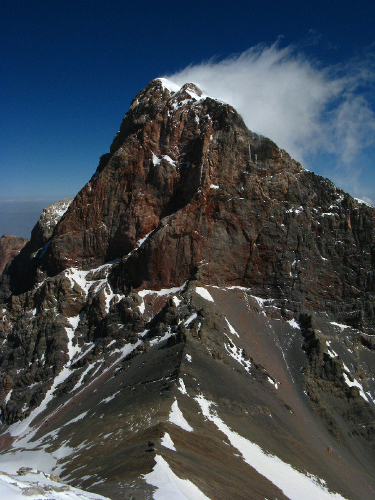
10,246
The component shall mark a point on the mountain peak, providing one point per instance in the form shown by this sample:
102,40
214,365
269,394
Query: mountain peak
158,158
201,284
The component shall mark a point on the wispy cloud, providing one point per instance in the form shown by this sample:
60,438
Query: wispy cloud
305,107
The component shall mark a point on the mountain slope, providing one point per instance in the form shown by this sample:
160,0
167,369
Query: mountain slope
203,311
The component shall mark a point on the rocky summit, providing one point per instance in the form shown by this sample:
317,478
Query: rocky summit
199,322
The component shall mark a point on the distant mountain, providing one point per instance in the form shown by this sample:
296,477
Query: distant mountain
17,218
199,323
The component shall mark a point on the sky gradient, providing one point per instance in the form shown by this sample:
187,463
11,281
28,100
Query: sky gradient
69,71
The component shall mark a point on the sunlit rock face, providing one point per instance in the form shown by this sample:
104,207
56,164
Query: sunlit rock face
203,310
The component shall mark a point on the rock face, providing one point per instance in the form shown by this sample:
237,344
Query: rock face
22,272
223,201
201,267
10,246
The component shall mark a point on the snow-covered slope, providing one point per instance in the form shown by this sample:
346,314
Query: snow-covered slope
35,485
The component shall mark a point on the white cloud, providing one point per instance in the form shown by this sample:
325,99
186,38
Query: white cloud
304,107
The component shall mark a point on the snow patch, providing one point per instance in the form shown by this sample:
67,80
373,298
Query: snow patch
167,442
176,301
273,382
330,351
295,210
8,396
182,387
293,323
156,160
163,291
169,486
160,293
237,354
342,327
107,400
355,383
80,417
191,318
231,329
204,293
177,418
167,84
78,277
166,336
169,160
363,202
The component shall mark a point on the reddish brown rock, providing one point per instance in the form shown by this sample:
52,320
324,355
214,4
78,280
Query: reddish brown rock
10,246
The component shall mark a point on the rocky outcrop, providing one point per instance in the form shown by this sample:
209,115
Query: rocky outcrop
24,270
335,394
10,246
48,219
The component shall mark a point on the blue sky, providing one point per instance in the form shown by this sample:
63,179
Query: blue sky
69,71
